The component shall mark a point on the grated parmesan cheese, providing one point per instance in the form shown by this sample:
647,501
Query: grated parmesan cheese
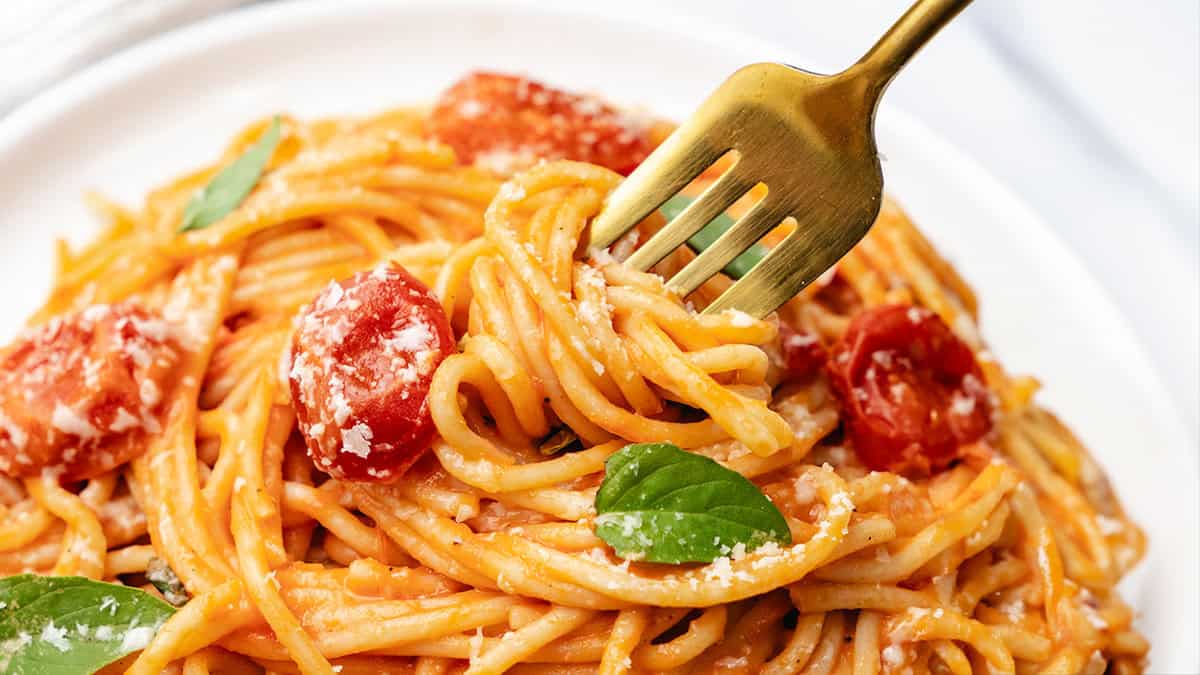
476,644
1015,610
124,421
601,255
800,340
806,492
341,406
506,161
16,434
413,338
732,663
331,297
55,637
961,404
68,421
511,192
357,440
740,319
137,638
893,655
148,393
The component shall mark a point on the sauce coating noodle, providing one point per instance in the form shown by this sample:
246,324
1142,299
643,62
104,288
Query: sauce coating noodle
482,558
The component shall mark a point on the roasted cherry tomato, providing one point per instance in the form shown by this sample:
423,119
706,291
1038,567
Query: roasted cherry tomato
911,392
505,123
803,353
363,358
78,393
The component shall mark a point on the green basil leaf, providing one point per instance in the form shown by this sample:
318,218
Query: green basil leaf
708,235
661,504
159,573
72,625
230,186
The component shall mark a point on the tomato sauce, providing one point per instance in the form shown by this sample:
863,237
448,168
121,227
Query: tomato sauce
911,392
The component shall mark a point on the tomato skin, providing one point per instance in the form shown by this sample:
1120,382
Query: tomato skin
911,392
78,394
803,354
508,122
363,358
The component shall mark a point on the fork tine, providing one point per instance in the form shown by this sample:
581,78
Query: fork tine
762,218
684,155
712,202
803,256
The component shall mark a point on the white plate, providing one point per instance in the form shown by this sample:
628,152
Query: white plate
129,122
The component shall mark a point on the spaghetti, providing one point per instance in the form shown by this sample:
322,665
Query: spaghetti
482,558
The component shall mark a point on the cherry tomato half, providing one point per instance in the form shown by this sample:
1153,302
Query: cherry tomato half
362,362
505,123
78,393
911,392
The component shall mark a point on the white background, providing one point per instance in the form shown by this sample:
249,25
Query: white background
1087,108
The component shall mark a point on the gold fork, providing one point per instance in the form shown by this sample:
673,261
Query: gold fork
808,138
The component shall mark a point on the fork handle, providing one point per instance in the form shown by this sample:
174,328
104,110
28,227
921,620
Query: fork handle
918,25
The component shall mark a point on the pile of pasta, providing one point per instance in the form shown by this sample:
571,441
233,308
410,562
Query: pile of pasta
483,558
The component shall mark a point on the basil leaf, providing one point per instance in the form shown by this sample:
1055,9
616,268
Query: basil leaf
72,625
708,235
661,504
230,186
159,573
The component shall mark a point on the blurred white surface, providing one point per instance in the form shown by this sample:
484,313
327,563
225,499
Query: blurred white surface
1088,109
42,41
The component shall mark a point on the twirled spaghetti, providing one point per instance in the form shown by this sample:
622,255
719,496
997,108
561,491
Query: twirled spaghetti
483,558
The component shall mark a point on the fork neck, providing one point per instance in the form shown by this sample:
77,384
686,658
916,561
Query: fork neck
918,25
